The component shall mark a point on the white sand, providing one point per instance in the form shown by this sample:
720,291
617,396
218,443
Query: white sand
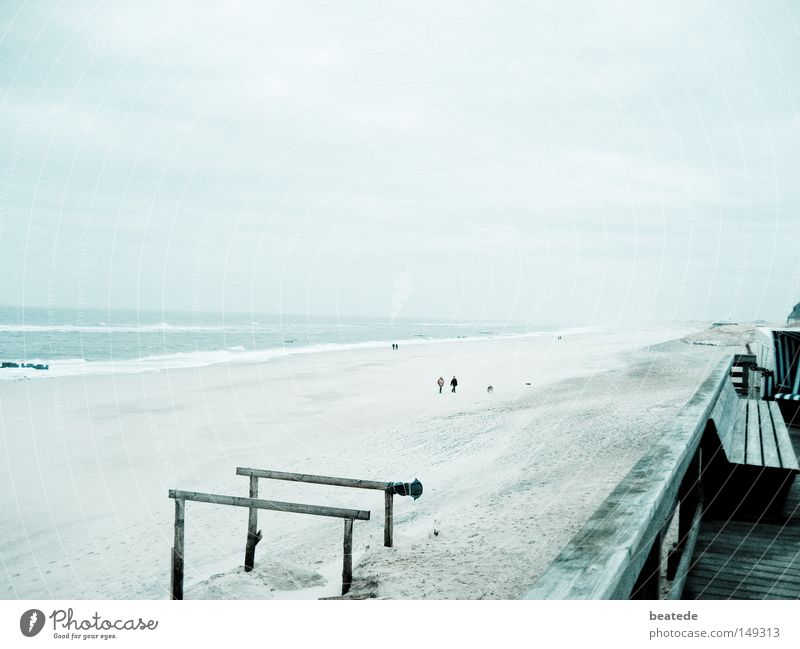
508,476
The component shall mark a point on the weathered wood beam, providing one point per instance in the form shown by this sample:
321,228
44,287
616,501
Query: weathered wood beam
176,586
253,536
313,479
388,525
752,449
648,583
687,546
606,557
347,567
273,505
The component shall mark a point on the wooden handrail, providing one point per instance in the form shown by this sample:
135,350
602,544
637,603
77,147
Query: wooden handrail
606,558
273,505
255,474
313,479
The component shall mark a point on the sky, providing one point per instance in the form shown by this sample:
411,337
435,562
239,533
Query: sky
537,162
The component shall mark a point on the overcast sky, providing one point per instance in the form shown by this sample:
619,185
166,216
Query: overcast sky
552,162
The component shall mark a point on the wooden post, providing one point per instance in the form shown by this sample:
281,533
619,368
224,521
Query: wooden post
388,525
177,551
253,537
687,553
648,585
347,568
689,495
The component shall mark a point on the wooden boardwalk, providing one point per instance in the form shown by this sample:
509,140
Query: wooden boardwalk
750,558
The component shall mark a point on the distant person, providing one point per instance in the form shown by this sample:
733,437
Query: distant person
454,383
440,383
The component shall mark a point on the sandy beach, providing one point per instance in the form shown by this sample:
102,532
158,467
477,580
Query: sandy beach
509,476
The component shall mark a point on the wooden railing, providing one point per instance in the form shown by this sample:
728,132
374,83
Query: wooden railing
253,536
618,553
254,504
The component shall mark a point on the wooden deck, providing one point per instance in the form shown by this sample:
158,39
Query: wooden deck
754,557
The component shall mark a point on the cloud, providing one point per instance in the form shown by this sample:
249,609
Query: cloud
557,142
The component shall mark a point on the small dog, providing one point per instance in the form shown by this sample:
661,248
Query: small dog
490,389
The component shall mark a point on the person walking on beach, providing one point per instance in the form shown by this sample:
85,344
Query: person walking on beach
454,383
440,383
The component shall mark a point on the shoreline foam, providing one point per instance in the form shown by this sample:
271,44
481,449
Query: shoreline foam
237,354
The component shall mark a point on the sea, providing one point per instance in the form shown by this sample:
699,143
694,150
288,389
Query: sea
90,341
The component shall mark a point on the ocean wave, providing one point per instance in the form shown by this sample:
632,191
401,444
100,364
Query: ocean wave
237,354
124,328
